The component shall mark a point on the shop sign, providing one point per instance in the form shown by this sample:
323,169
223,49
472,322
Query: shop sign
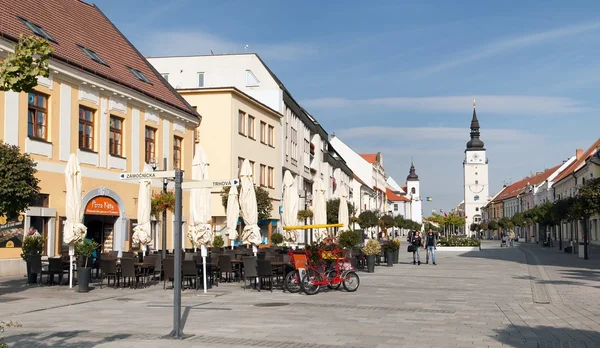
102,206
11,231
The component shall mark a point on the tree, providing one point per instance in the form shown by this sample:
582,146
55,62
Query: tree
20,70
386,221
400,222
333,209
483,226
263,201
18,184
587,204
518,219
367,219
474,227
493,225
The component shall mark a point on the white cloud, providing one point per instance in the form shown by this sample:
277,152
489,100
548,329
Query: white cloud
502,46
489,104
182,43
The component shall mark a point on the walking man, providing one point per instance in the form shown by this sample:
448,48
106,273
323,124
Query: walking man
431,242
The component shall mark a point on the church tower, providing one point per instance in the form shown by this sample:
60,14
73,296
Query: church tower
413,191
475,174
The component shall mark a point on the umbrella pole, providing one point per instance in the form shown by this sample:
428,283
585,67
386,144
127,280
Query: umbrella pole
254,249
203,251
71,253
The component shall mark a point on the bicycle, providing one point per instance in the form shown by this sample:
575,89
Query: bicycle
319,275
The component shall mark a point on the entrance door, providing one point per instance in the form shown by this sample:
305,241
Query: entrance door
95,230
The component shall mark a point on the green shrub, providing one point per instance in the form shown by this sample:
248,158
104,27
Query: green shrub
31,246
389,247
276,238
372,248
456,241
349,239
218,242
85,249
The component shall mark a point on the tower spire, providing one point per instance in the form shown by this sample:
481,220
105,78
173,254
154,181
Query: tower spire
412,174
475,143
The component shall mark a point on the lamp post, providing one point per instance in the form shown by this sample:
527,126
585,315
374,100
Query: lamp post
306,199
154,164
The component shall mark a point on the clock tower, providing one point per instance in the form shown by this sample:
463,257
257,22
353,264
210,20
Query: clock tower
475,174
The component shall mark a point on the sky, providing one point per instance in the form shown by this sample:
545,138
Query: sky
399,77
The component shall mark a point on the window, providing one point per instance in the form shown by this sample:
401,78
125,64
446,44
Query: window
177,141
42,200
36,29
252,171
86,128
37,115
240,163
476,182
271,136
166,77
93,55
251,79
395,207
200,79
242,122
251,120
413,190
138,74
150,144
263,132
263,169
116,136
271,173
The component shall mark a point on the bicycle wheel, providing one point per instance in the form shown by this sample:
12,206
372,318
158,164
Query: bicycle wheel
351,281
291,283
308,282
331,275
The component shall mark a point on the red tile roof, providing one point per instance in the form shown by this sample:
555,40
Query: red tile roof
404,188
520,186
371,157
72,23
395,197
573,167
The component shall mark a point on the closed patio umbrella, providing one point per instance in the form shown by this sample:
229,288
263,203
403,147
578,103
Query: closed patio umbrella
233,214
142,232
74,231
249,209
290,206
343,210
320,209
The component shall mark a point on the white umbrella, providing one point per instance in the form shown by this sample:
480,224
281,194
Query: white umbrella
290,205
320,209
233,214
74,231
249,209
343,210
199,230
142,233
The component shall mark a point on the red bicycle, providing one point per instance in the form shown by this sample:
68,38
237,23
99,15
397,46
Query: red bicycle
300,260
316,276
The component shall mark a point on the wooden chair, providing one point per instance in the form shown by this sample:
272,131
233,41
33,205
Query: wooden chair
168,271
250,271
265,271
109,270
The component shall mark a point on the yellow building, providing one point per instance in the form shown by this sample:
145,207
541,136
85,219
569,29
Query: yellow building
235,127
102,101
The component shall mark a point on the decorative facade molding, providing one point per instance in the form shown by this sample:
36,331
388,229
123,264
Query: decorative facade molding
45,81
151,117
88,94
118,104
178,127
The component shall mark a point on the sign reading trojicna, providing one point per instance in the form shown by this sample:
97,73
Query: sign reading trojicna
148,175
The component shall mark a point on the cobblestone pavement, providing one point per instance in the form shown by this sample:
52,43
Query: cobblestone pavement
526,296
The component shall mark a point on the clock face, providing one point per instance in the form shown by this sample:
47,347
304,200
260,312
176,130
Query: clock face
476,188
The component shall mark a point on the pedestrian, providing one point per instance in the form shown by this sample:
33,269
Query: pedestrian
512,238
430,242
417,244
33,232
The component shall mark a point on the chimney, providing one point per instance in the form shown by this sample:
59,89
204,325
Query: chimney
578,153
332,135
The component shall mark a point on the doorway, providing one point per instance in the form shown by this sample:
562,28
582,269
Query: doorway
100,229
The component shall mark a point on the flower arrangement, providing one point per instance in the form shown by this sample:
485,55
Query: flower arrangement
162,202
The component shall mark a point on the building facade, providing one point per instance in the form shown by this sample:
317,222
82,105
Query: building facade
105,104
475,175
237,127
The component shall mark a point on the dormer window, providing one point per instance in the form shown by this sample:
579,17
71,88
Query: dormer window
139,75
37,30
93,55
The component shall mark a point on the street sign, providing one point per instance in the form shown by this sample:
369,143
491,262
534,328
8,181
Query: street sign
148,175
209,183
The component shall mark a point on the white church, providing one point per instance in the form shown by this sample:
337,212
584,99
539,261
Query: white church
475,175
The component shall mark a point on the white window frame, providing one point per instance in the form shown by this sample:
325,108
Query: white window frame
203,79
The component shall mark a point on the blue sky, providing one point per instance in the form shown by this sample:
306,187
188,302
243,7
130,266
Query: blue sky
399,77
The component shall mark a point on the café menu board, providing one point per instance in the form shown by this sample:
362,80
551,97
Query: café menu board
11,231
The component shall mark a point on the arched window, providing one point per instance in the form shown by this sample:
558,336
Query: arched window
413,190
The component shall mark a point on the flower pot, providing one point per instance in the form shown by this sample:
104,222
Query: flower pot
83,278
389,257
31,277
370,263
396,255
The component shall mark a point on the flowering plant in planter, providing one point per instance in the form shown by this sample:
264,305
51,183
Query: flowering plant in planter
162,202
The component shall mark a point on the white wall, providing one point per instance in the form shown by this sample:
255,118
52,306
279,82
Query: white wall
360,167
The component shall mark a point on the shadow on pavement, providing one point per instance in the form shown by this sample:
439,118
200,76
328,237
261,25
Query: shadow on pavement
14,285
546,336
63,339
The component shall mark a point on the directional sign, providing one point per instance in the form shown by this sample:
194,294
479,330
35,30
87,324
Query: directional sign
209,183
148,175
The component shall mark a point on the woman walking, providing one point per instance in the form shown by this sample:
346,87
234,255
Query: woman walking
417,244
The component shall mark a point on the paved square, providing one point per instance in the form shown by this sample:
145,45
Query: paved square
498,297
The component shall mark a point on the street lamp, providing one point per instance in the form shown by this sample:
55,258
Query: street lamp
307,197
154,165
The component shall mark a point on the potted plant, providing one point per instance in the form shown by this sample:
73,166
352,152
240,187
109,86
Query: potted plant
305,214
84,251
31,248
349,240
371,249
218,242
388,248
276,238
397,251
